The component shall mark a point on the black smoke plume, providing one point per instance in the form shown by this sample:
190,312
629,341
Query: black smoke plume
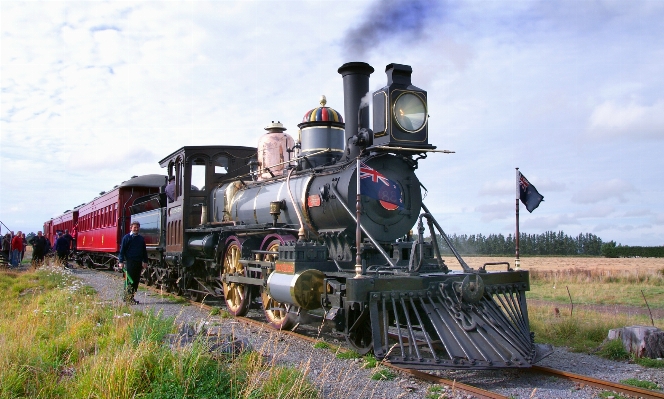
389,18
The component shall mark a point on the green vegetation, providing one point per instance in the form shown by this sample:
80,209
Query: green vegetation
611,250
640,383
548,243
384,374
607,394
614,350
585,330
647,362
370,362
434,392
601,287
58,341
321,345
348,355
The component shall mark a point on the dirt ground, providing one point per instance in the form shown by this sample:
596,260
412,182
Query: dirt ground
563,262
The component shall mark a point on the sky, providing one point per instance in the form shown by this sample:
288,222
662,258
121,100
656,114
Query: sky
570,92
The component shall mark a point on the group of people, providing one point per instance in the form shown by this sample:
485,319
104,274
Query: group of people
14,245
13,248
133,256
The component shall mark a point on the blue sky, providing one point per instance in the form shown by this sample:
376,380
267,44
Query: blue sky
571,92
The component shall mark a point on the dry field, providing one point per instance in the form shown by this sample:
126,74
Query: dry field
563,263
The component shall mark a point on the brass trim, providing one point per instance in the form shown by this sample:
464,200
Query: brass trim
426,110
387,113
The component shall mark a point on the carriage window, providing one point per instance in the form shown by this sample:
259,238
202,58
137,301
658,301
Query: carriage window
220,163
198,174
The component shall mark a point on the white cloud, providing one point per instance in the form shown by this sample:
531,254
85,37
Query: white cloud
496,210
98,91
632,120
612,189
596,211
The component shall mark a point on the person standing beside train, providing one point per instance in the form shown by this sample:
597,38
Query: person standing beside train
17,248
7,247
39,246
132,259
25,246
70,239
62,249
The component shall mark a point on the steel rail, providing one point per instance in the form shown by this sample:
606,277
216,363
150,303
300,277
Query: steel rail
603,384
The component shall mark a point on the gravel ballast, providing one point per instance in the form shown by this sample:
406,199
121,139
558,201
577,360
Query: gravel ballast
340,378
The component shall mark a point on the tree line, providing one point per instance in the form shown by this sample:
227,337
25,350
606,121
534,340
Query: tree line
548,243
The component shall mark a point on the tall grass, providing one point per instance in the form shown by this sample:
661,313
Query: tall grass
58,341
598,286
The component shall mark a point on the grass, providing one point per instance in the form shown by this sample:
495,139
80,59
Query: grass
647,362
640,383
602,287
384,374
322,345
614,350
58,341
350,354
586,330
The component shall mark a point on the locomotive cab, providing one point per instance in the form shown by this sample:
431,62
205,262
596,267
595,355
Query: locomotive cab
196,171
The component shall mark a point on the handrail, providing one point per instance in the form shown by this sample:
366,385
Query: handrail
463,263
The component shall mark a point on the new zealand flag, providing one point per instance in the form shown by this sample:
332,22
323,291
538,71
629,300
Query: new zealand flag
373,184
528,194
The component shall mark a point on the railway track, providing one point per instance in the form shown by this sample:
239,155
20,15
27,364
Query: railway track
581,380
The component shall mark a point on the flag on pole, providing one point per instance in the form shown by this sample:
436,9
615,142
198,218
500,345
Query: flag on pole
528,194
373,184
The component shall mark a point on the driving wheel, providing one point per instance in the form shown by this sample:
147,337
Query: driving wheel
236,295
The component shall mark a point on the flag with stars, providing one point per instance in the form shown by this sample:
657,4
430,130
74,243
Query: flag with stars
374,185
528,194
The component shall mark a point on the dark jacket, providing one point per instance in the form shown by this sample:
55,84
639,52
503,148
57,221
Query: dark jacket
133,248
61,245
69,239
39,244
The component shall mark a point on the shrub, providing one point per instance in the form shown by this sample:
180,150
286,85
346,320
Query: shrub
614,350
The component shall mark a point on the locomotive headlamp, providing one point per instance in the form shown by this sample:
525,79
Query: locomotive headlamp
410,112
400,112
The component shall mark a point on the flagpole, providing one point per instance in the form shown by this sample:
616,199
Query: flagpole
517,261
358,230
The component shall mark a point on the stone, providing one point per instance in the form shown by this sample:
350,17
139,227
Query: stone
642,341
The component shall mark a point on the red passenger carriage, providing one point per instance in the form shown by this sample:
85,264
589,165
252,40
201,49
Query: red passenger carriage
101,223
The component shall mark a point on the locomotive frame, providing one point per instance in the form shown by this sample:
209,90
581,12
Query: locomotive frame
289,240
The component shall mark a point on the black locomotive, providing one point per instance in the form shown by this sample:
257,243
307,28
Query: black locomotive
277,225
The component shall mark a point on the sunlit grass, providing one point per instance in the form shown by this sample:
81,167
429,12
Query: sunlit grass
583,331
604,287
58,341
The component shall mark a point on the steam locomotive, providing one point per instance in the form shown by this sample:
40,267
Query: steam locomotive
324,223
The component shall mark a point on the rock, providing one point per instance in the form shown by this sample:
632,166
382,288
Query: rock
230,347
635,340
655,345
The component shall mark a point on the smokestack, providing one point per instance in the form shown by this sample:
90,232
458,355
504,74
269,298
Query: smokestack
356,86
